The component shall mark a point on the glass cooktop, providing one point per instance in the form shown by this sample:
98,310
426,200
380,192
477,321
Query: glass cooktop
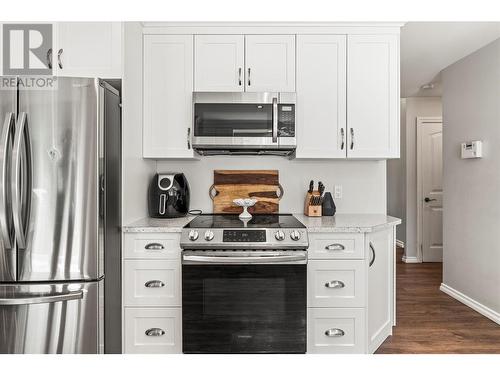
261,221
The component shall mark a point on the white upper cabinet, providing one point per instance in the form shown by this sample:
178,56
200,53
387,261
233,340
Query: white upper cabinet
321,96
88,49
270,63
167,94
373,96
219,63
234,63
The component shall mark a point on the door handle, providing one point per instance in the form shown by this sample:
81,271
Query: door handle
427,199
155,332
239,76
372,249
59,62
20,224
42,298
334,332
49,58
352,138
342,136
335,284
335,247
249,77
154,246
154,284
5,214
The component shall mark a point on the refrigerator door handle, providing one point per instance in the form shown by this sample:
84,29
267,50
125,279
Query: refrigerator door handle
41,298
20,223
5,223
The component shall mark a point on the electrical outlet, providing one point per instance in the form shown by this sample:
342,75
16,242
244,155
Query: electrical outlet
338,192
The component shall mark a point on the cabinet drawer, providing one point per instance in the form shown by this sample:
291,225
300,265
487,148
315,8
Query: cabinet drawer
336,246
336,331
151,331
152,282
336,283
152,245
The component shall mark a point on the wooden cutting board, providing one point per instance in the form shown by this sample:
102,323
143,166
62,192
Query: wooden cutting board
262,185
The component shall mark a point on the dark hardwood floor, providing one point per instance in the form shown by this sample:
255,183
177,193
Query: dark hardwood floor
429,321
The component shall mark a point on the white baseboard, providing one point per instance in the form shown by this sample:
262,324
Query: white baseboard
400,244
406,259
480,308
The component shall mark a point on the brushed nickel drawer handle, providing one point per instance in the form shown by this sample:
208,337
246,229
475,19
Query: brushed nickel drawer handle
334,332
154,284
335,246
154,246
335,284
155,332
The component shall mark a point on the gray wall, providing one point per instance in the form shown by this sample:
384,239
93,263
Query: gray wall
402,173
363,182
471,111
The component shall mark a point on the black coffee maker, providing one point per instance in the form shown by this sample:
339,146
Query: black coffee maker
168,195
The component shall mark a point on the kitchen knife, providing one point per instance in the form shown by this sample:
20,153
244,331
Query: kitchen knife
311,187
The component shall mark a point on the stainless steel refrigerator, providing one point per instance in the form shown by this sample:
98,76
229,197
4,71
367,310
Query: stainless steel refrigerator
60,178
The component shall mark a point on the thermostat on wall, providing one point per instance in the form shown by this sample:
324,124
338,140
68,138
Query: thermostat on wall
472,149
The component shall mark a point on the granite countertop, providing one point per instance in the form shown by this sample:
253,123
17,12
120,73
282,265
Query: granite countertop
340,223
348,223
150,225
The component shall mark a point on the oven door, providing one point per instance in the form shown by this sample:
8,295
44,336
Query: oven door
244,308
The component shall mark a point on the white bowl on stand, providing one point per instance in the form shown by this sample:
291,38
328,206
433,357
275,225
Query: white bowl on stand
245,203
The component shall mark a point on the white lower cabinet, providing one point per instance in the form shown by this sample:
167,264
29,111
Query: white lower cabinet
336,283
153,331
336,330
152,293
350,279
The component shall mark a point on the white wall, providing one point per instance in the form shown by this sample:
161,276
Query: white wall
471,111
363,182
407,166
136,172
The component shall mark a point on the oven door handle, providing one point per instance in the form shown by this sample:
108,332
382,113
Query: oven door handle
266,259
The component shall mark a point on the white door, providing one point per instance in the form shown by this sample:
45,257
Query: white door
270,63
430,170
373,96
321,96
167,94
219,63
88,49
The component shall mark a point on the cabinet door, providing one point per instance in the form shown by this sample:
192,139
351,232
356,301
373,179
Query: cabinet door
380,287
373,96
88,49
270,63
168,90
219,63
321,96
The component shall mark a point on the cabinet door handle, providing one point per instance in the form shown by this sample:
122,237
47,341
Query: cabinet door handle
154,284
49,58
239,76
59,62
249,83
335,284
189,138
155,332
352,138
335,247
334,332
154,246
372,249
342,136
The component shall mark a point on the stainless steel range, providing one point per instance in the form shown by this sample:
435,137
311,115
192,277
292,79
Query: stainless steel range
244,284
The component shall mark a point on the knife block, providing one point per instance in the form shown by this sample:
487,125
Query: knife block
309,209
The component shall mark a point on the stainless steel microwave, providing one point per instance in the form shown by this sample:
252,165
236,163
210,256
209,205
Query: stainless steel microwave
244,123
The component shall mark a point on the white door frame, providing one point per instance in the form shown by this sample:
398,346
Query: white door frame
421,121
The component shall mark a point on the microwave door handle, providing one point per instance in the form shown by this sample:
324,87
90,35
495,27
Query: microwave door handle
275,120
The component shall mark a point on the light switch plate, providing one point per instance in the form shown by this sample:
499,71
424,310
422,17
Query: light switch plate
337,194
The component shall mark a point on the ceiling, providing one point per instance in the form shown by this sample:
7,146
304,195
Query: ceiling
429,47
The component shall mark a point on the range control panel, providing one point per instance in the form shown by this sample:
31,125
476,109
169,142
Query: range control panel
237,235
